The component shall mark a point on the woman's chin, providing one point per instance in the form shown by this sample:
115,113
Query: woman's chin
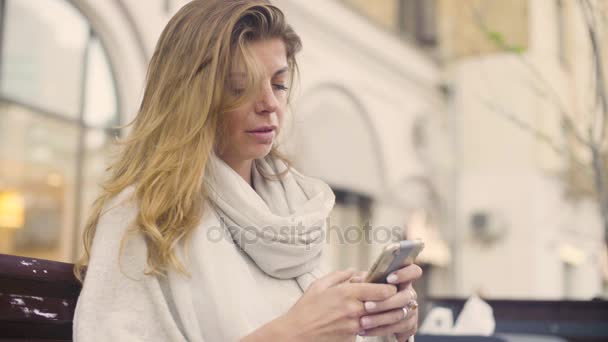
260,151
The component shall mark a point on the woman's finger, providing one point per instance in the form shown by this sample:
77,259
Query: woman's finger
371,292
358,277
404,337
383,318
332,278
399,300
405,274
406,327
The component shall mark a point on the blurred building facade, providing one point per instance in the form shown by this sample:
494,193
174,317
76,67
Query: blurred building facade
392,111
519,232
519,223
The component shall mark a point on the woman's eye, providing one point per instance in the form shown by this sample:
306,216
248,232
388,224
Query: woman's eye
237,91
280,87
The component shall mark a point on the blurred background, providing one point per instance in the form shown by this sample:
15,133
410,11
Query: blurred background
476,125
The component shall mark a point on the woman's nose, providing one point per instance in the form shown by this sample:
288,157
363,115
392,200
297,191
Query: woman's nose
268,102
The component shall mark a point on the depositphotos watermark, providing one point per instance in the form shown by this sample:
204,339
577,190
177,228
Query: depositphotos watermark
299,234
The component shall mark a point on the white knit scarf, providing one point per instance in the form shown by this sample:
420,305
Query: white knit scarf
281,224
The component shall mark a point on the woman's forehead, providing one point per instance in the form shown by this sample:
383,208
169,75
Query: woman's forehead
269,55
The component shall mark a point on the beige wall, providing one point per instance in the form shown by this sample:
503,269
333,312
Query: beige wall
461,22
381,12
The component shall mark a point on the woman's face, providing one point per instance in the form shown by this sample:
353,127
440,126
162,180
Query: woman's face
252,128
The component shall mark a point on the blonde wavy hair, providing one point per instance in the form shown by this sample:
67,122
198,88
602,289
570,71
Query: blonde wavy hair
179,122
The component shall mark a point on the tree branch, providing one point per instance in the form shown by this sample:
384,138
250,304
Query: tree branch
553,96
535,132
600,89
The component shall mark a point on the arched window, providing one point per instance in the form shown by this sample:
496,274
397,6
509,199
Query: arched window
335,141
58,113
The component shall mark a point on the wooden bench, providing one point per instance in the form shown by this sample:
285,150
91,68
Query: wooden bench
37,299
572,320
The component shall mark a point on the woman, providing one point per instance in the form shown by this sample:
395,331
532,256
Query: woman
203,231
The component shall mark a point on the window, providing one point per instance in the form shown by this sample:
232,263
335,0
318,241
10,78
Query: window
411,19
58,107
349,231
417,19
43,43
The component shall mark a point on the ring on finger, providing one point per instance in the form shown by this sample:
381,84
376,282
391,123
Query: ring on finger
405,311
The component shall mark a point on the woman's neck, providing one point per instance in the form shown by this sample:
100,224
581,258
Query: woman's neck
242,167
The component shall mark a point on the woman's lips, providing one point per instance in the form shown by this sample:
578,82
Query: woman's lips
264,137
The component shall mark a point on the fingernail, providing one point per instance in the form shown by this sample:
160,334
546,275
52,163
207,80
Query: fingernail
391,278
365,322
369,305
361,333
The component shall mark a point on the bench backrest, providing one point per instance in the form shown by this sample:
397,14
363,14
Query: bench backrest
37,299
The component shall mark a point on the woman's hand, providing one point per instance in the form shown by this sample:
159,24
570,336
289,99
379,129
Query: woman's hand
331,308
388,316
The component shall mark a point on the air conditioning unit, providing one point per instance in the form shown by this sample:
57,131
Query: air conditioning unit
487,226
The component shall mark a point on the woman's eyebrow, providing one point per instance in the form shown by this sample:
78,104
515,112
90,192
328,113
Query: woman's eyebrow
281,71
242,74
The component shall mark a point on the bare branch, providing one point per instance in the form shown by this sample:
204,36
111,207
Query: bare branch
553,94
565,123
594,106
538,134
602,197
600,88
565,119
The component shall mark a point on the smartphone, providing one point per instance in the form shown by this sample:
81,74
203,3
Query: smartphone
394,256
